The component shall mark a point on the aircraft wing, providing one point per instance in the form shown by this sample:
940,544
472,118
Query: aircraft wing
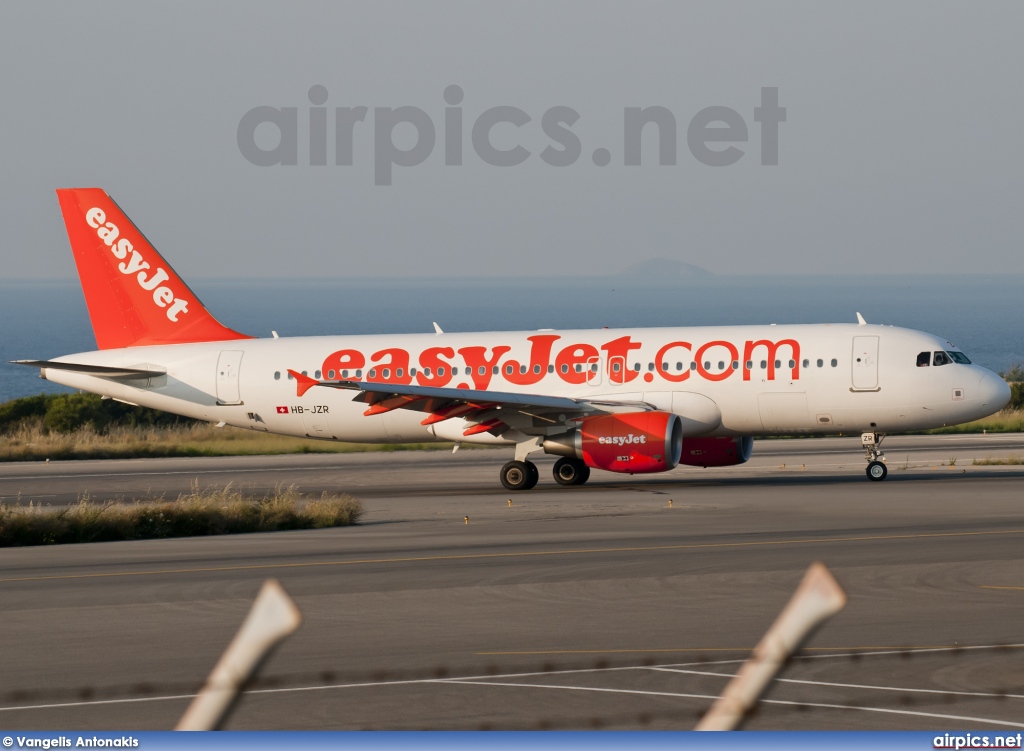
492,411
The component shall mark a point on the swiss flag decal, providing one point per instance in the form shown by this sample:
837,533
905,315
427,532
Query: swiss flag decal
282,410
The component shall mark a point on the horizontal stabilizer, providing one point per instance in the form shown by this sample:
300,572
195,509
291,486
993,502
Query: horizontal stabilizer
104,371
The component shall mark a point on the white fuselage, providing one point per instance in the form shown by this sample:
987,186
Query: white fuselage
813,379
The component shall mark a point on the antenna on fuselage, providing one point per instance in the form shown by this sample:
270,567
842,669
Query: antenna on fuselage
437,329
860,320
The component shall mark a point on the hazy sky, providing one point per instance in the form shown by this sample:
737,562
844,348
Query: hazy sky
902,150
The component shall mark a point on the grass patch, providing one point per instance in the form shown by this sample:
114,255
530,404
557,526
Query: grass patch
199,513
33,442
1007,421
1007,461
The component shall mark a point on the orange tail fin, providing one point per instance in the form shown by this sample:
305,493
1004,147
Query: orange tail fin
134,297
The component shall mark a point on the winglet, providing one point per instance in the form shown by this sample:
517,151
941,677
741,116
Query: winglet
303,383
860,320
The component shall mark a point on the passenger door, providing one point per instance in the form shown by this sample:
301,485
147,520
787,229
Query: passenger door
864,363
228,366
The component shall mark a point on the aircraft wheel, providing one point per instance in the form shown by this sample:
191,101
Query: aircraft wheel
877,471
517,475
570,472
534,475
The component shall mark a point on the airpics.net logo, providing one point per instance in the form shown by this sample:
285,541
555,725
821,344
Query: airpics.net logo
716,136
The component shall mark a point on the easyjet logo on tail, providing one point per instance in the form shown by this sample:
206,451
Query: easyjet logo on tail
132,263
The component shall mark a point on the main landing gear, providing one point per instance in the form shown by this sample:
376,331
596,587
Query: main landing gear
872,443
523,475
571,471
518,475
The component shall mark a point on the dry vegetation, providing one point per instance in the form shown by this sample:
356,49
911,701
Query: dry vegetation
995,462
34,442
214,512
1007,421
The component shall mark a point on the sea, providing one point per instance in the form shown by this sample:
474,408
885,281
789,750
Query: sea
983,315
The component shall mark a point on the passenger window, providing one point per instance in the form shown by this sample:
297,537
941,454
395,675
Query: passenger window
372,373
551,368
494,370
778,363
693,366
941,358
679,366
735,364
386,373
565,368
522,369
359,373
792,363
317,375
412,371
821,363
330,374
536,368
426,372
636,367
650,367
482,370
579,368
277,375
440,371
508,370
707,365
289,376
750,364
344,374
721,365
615,367
764,364
399,372
835,362
807,363
664,366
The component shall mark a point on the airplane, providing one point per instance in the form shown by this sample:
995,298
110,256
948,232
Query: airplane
631,401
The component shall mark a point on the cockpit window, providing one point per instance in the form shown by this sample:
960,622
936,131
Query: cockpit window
959,357
941,358
924,359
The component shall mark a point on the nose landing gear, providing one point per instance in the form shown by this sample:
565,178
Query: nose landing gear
872,443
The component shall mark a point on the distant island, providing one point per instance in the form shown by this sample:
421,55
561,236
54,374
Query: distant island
665,267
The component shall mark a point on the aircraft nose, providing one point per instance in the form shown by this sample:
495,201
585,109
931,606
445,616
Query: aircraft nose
993,391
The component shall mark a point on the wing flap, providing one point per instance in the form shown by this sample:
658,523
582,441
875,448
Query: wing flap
539,411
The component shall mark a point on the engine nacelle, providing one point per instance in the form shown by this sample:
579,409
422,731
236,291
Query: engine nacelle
634,442
717,452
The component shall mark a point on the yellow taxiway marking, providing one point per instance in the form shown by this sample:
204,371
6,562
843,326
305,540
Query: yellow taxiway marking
683,650
521,554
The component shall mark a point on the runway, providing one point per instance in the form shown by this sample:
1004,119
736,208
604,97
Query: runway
599,606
